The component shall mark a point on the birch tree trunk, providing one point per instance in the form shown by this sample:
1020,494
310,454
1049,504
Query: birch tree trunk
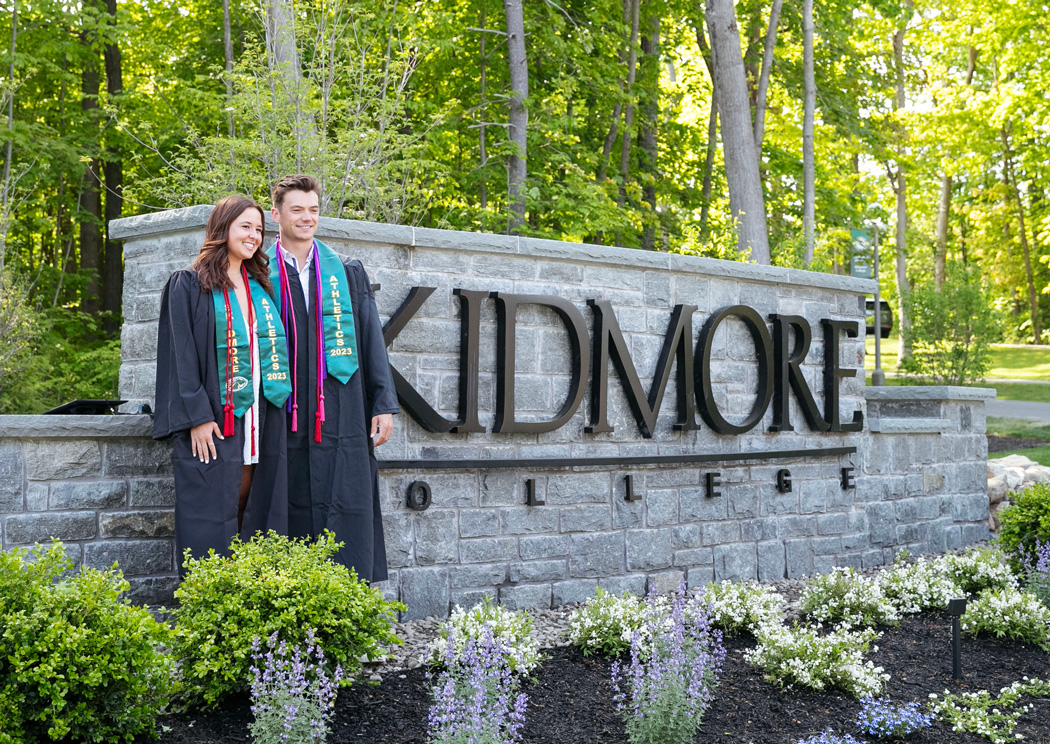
763,77
901,189
519,114
809,114
712,132
738,143
9,149
651,113
940,252
610,138
227,45
628,115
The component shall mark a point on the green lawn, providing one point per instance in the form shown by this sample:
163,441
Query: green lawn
1025,429
1009,362
1040,455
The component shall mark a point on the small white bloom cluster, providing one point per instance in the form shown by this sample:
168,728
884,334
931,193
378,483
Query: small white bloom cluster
511,629
606,623
979,713
979,569
919,586
1009,613
848,600
801,656
744,606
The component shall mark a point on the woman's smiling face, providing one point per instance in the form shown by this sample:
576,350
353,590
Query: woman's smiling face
246,233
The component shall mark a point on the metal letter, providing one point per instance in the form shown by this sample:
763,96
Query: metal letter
784,480
764,351
506,321
419,496
531,498
469,342
848,479
786,371
629,492
711,482
833,373
609,338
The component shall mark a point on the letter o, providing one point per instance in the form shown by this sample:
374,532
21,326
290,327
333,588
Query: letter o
764,353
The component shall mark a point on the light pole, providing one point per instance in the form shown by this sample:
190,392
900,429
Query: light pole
878,378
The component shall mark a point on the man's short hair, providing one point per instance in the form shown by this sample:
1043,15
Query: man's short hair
294,183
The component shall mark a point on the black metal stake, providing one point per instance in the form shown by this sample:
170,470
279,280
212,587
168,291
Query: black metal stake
956,608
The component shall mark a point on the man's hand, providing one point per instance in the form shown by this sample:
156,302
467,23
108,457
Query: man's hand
201,444
382,428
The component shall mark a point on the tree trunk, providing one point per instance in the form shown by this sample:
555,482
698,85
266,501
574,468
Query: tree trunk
90,197
227,45
519,114
284,60
647,163
712,133
738,143
808,164
1011,179
940,252
610,138
483,194
628,116
113,277
9,150
901,189
763,78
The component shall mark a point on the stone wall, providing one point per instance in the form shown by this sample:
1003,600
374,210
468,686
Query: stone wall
101,485
522,517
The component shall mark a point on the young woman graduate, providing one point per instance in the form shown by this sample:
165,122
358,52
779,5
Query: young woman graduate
222,380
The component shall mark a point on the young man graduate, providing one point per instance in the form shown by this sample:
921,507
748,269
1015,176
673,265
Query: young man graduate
343,397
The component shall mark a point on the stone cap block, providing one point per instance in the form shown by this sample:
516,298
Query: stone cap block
927,392
75,427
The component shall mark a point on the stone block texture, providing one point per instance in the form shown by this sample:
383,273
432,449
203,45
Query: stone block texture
917,464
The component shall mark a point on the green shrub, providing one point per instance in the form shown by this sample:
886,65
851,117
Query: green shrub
605,623
1025,523
843,598
273,584
512,630
1008,613
979,569
744,607
76,661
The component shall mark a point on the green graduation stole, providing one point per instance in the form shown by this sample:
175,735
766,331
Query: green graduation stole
334,330
233,350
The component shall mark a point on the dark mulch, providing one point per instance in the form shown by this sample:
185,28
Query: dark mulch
571,701
1012,444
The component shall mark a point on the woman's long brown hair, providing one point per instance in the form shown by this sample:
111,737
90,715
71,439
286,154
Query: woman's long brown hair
213,262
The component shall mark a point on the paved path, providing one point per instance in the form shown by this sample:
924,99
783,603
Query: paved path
1018,409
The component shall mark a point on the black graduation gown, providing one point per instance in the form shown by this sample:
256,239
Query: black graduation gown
206,495
334,484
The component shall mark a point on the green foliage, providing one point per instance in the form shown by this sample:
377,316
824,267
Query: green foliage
952,329
511,630
843,598
1009,613
76,661
978,569
72,357
805,657
605,623
18,328
273,584
914,587
739,607
991,717
1025,523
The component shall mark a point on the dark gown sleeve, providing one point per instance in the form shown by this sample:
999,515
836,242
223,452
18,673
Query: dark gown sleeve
181,397
379,383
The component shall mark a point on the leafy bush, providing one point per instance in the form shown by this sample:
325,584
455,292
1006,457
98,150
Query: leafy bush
512,630
76,661
919,586
664,691
846,599
979,569
991,717
1009,613
802,656
744,606
1025,523
605,623
273,584
476,699
951,327
885,719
